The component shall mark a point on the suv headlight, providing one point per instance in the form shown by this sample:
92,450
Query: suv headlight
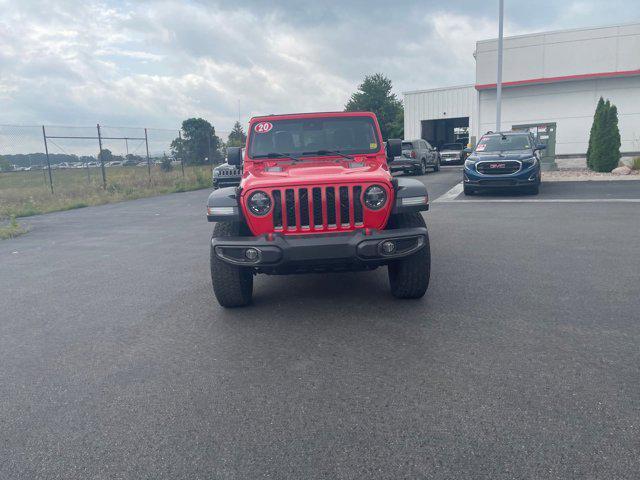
529,162
469,163
216,173
259,203
375,197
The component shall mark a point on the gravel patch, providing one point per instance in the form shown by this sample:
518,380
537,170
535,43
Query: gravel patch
584,175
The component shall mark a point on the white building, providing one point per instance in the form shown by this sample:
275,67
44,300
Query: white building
551,84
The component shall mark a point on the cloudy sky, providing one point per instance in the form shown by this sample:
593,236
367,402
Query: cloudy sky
154,63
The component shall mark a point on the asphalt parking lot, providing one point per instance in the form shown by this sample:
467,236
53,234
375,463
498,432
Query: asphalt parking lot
521,361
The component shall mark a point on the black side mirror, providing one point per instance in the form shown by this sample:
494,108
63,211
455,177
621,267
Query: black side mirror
394,148
234,156
467,150
540,146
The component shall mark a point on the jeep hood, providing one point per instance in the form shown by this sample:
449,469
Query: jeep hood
316,172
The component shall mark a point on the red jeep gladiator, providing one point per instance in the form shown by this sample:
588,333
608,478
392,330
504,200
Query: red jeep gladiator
317,195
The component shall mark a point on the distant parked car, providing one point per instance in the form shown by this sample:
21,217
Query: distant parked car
129,163
417,156
503,160
452,153
226,175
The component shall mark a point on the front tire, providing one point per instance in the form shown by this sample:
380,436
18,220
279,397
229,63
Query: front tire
232,285
534,190
409,277
468,190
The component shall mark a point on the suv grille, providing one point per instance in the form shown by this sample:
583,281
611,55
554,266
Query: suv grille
498,167
299,209
236,172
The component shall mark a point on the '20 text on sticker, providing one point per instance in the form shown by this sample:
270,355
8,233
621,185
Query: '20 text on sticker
263,127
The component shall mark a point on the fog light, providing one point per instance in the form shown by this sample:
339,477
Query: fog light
388,247
252,254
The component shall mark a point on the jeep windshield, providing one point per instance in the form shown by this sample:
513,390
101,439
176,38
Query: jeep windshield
503,143
292,139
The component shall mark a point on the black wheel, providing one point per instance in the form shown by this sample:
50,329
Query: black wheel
232,286
409,277
468,190
423,167
534,190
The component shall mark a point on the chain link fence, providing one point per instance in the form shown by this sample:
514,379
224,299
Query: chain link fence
92,162
53,147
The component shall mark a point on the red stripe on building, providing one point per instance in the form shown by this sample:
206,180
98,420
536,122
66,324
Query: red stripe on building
567,78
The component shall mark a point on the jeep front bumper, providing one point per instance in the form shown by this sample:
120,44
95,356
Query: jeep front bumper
360,249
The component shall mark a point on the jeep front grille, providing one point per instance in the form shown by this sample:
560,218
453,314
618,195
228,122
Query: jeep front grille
300,209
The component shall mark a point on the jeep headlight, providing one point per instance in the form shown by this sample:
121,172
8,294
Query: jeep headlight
375,197
259,203
216,173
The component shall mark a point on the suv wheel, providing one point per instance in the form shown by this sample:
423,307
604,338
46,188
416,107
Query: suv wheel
232,285
409,277
423,167
534,190
468,190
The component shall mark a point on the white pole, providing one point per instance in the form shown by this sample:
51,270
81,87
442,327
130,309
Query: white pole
499,76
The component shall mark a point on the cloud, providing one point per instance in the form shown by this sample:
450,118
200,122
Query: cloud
154,63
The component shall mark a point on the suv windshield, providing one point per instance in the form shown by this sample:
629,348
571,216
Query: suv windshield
451,146
502,143
309,136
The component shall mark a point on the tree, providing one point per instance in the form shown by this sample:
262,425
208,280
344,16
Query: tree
105,155
165,163
237,137
5,165
199,143
611,147
603,153
374,95
597,119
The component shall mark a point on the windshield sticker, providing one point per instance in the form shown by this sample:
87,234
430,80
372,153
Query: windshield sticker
263,127
373,145
481,147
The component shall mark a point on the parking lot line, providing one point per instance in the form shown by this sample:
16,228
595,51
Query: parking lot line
451,194
540,200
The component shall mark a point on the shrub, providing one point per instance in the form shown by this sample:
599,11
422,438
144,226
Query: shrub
165,164
635,163
594,132
603,153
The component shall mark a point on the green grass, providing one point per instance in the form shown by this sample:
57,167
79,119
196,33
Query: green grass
27,193
11,229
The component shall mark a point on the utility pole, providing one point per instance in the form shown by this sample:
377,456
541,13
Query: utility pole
146,142
179,149
499,73
104,173
46,150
